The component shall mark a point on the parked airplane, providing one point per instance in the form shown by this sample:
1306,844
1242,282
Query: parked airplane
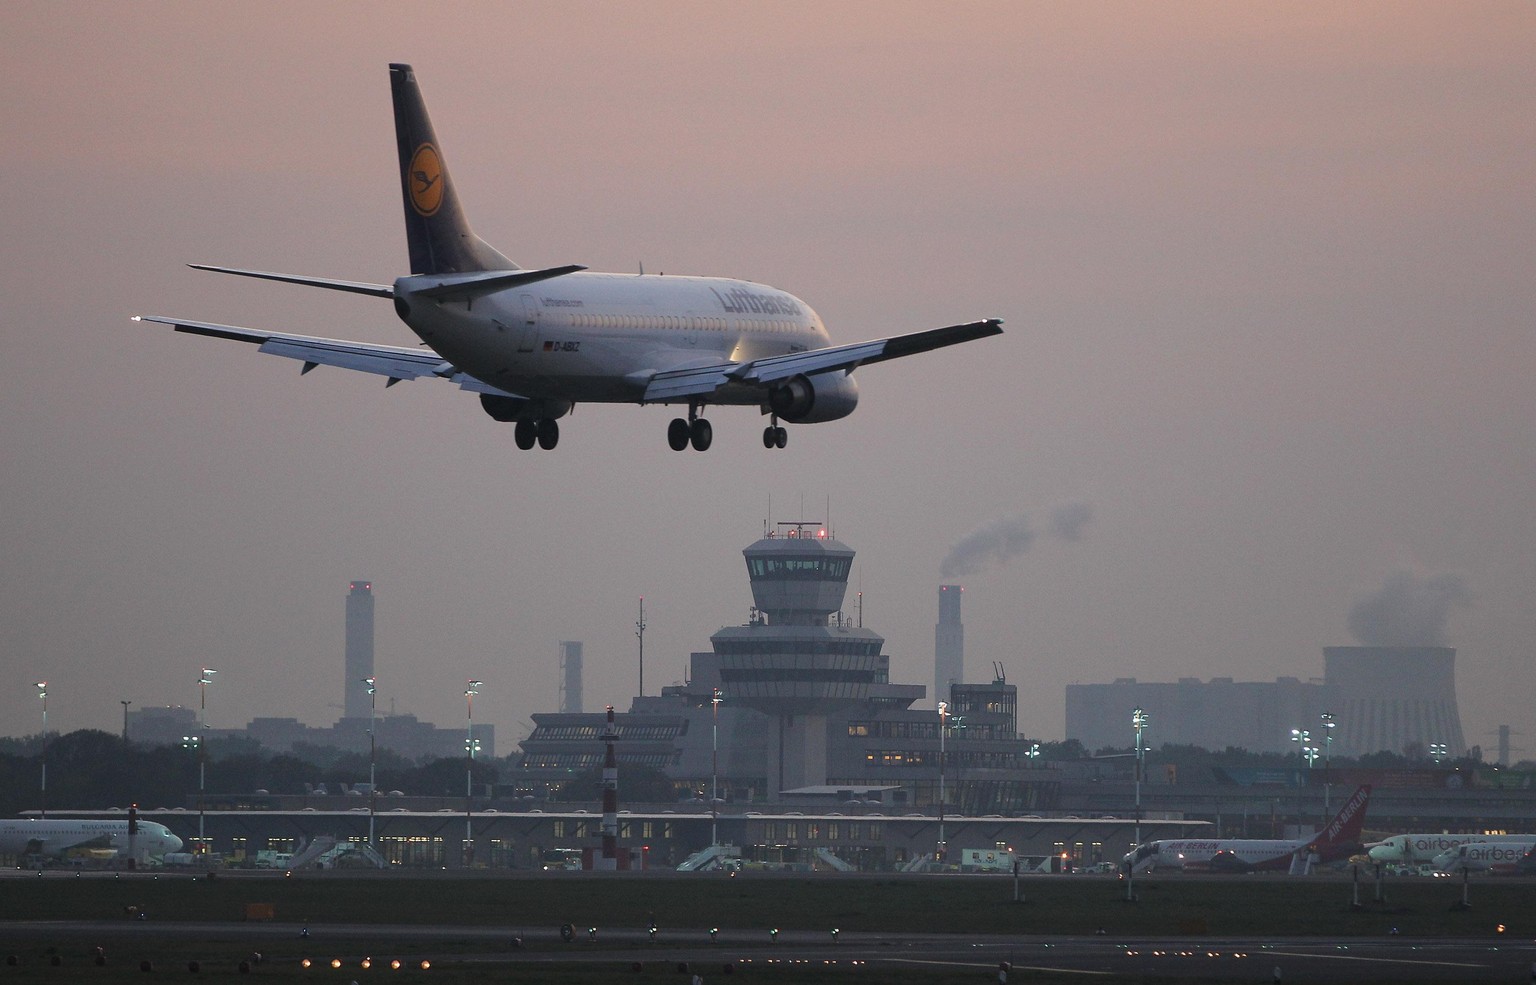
1338,840
38,836
1502,856
1414,849
534,343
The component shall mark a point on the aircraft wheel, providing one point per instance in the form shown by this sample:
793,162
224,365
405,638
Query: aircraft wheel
780,437
770,437
526,434
677,434
701,434
549,433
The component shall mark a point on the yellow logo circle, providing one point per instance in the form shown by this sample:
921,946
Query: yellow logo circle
425,180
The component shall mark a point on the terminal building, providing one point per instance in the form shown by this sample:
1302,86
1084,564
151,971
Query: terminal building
796,707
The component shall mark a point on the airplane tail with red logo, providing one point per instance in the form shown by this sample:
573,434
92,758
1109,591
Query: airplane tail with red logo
1340,838
436,230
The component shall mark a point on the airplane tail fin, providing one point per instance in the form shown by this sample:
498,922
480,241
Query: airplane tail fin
439,236
1344,830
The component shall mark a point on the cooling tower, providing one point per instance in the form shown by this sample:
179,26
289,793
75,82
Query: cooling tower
1389,697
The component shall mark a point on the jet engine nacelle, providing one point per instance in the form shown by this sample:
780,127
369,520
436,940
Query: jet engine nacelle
509,409
812,399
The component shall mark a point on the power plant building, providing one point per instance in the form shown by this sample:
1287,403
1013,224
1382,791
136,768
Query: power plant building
1394,699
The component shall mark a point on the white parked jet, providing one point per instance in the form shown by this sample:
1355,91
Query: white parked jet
1340,839
533,343
38,836
1414,849
1503,856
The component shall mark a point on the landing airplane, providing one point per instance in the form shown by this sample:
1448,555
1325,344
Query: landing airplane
534,343
1340,839
1413,849
39,836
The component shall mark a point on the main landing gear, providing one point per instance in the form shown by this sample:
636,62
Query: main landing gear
696,431
774,435
545,432
693,431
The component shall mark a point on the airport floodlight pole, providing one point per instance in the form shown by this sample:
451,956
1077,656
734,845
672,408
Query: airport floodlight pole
1139,722
943,714
1328,727
1438,752
205,679
373,746
471,689
714,770
42,692
640,633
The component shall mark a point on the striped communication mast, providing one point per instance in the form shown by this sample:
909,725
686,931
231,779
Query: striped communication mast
610,859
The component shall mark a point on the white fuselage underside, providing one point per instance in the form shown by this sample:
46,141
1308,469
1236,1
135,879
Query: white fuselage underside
601,336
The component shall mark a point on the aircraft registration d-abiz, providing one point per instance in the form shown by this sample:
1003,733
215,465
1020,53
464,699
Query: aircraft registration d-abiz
533,343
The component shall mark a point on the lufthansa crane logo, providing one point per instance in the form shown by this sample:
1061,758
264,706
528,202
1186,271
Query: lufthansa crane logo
424,178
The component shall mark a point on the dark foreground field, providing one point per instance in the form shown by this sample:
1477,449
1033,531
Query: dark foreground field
200,919
1220,905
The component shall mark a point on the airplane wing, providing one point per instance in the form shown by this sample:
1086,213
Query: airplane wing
699,381
396,363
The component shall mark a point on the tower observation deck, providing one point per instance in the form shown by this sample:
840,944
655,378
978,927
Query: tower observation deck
798,658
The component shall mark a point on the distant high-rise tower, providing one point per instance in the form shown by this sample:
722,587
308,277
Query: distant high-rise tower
355,701
570,676
948,644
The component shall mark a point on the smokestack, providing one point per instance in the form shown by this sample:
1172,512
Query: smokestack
948,644
610,859
570,676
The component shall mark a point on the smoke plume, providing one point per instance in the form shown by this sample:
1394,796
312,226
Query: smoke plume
1000,541
1069,519
1408,610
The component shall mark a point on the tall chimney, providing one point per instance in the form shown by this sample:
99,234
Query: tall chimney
948,644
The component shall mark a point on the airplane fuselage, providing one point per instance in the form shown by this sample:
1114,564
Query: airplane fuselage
1506,855
600,336
38,836
1412,849
1223,854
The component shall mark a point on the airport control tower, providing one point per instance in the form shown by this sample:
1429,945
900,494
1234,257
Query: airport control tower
797,659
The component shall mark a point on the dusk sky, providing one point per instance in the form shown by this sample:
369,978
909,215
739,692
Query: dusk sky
1266,273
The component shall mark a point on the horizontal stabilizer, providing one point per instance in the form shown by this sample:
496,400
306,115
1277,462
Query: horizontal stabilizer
466,287
351,286
392,362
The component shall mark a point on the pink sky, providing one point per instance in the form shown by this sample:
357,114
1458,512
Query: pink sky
1265,271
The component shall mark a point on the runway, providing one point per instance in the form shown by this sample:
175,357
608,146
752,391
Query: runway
1097,957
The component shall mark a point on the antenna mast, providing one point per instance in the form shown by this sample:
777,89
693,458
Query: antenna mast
640,632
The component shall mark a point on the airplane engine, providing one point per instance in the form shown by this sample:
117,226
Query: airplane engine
812,399
509,409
